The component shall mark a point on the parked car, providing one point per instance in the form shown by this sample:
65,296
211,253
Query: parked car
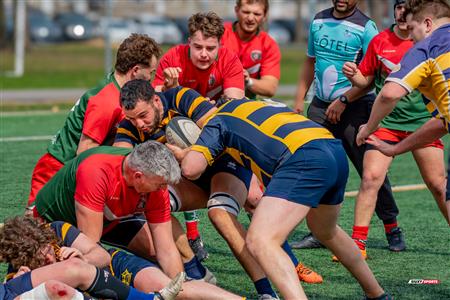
279,33
119,29
75,26
160,28
41,28
182,24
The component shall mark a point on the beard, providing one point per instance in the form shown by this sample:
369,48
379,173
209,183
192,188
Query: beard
348,7
154,126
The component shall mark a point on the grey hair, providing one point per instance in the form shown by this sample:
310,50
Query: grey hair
154,158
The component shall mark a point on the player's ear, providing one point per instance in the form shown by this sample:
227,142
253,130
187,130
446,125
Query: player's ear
429,24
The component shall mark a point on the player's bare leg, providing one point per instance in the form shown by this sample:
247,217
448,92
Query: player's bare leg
430,161
323,223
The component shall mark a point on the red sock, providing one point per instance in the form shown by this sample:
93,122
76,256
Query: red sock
192,230
389,227
359,235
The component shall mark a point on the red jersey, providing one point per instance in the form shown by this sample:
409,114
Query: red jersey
225,72
260,56
95,180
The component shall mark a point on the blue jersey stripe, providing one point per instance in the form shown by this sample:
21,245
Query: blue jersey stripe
286,129
262,114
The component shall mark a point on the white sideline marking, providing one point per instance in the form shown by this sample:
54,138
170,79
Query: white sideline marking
5,114
26,138
398,188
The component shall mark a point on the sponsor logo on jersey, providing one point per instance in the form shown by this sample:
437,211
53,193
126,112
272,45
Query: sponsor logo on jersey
256,55
140,207
211,80
126,277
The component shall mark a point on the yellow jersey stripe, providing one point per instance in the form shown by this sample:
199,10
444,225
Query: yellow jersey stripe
126,132
205,151
276,121
180,94
298,138
257,170
197,101
111,269
65,228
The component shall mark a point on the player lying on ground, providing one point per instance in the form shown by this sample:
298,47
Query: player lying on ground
56,251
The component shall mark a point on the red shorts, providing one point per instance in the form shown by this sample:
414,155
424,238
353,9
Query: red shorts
393,136
45,169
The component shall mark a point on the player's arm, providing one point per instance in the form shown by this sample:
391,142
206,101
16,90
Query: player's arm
89,221
306,79
193,165
166,251
92,252
354,75
201,122
86,143
265,86
234,92
385,102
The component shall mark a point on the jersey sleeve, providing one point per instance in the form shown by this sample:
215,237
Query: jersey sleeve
127,132
158,207
414,68
168,60
102,114
310,51
66,232
233,76
370,31
88,192
189,102
271,60
369,63
210,141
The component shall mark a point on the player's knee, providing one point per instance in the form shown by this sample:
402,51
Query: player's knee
224,202
372,179
75,267
436,185
254,243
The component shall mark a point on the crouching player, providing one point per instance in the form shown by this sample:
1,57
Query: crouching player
304,170
59,251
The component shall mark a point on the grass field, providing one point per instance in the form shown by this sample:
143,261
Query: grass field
81,65
427,235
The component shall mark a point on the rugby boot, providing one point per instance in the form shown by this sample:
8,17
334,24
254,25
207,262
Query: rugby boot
307,275
198,248
307,242
396,240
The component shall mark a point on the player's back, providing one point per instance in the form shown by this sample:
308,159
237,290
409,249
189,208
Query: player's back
259,134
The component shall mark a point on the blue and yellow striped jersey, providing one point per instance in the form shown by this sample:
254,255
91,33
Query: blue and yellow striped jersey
260,135
426,67
178,101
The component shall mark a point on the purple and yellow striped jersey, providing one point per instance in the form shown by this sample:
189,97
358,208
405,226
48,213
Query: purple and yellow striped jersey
260,135
426,67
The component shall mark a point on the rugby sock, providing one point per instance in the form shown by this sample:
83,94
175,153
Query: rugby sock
389,227
194,269
263,287
191,219
289,252
359,235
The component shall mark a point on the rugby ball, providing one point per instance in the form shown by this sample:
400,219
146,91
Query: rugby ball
182,132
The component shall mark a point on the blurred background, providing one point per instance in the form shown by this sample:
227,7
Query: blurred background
47,44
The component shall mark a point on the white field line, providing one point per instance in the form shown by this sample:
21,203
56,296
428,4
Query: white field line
6,114
399,188
26,138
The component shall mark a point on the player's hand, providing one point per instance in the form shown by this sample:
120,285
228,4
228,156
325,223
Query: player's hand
299,106
382,146
22,270
350,69
334,111
178,152
363,134
246,75
69,252
171,76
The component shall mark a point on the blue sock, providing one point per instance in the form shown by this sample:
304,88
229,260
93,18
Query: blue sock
194,269
289,252
263,287
137,295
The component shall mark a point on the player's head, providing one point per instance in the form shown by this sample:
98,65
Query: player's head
151,166
344,6
25,241
138,57
251,14
421,16
141,106
205,32
399,9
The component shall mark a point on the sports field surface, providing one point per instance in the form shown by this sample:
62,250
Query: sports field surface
25,135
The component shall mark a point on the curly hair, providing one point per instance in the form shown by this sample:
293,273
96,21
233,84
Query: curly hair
136,49
210,25
21,239
421,8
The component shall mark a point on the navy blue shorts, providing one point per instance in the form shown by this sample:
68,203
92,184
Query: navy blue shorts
125,266
227,164
315,174
16,286
121,233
